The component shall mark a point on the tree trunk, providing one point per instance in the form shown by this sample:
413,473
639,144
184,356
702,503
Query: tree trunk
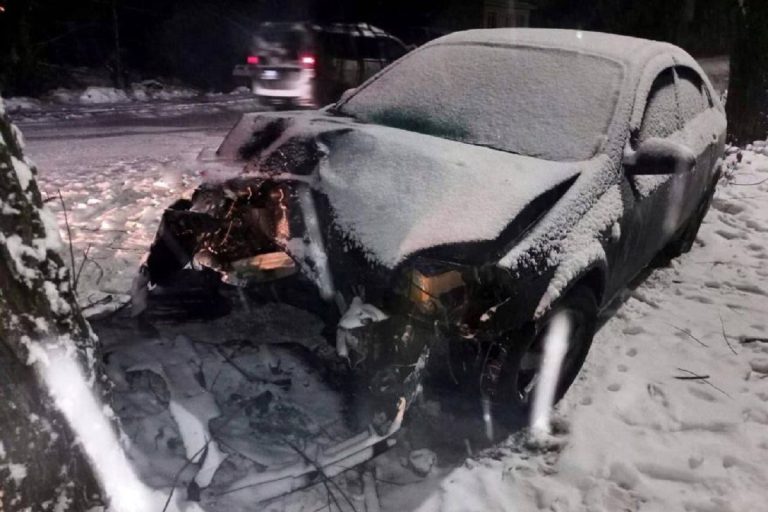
41,465
747,105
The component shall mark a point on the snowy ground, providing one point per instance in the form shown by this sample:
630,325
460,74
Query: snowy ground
139,104
641,429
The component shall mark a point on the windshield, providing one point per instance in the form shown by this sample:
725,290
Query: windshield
551,104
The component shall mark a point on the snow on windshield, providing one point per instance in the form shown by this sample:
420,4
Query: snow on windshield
552,104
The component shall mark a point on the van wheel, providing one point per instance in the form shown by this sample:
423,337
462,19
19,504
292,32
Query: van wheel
518,379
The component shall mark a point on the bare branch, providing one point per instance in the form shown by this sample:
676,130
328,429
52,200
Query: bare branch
71,249
322,473
689,334
82,264
725,336
705,380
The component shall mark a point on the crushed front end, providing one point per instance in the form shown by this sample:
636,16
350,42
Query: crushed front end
271,233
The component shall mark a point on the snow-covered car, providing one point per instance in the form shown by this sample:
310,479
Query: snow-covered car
309,65
449,207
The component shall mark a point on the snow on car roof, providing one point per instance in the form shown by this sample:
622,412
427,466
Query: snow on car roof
632,51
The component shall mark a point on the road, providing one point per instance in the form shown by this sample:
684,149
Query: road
72,136
116,168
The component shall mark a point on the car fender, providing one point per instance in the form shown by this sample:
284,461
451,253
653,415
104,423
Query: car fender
589,267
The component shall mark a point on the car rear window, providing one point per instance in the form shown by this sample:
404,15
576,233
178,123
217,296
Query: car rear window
551,104
282,42
350,47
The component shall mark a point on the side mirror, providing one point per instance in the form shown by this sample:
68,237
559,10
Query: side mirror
658,156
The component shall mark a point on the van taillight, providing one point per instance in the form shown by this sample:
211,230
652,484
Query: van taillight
307,61
252,59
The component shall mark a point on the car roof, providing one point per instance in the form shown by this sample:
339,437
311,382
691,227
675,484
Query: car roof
360,29
631,51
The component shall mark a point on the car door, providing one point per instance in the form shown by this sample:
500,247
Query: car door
656,205
699,135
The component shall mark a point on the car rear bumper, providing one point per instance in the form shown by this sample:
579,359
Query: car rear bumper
302,94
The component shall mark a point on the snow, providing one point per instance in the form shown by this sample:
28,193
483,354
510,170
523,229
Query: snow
413,185
132,194
98,95
20,104
637,438
17,250
18,472
629,435
422,461
23,172
621,48
197,441
555,348
526,105
76,401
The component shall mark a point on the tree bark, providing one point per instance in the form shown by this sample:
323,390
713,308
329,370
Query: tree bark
747,105
41,465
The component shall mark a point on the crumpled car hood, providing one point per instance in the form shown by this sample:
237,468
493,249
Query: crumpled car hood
395,192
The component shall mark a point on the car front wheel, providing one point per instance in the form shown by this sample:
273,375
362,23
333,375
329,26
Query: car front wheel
520,373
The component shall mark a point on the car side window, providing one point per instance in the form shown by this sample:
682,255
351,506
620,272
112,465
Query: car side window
339,45
391,50
369,47
691,95
660,118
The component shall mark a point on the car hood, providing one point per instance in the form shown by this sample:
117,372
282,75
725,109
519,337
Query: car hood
393,192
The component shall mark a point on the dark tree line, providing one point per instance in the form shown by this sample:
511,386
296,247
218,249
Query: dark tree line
702,27
747,104
199,41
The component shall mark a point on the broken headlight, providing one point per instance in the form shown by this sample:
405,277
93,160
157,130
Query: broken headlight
432,286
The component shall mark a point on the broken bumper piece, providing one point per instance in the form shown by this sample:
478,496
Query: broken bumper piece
260,269
308,469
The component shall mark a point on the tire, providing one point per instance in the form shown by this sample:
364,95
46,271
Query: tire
512,399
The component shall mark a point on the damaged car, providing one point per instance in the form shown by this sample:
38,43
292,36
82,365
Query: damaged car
441,214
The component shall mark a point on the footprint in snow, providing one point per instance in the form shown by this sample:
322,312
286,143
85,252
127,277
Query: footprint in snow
759,365
633,330
728,235
702,394
701,299
755,415
614,387
632,352
750,288
726,206
657,394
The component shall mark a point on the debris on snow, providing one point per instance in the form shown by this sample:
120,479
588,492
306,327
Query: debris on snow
421,461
